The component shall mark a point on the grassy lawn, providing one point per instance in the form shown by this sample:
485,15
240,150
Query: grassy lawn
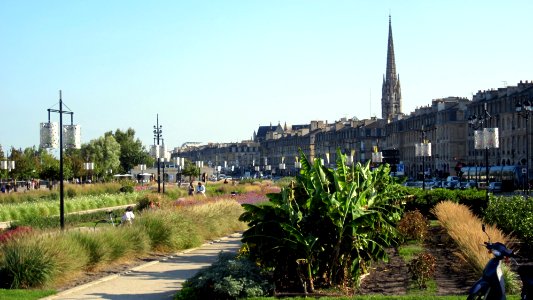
24,294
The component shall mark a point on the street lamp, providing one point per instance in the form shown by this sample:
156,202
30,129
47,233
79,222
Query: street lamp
484,139
8,165
349,158
282,166
200,165
48,135
88,166
523,108
377,156
297,165
158,134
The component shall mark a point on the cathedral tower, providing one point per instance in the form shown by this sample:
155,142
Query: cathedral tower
391,96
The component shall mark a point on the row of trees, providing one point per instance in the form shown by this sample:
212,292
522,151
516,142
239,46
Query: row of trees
112,153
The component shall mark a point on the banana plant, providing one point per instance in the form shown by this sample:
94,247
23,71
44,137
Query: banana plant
336,220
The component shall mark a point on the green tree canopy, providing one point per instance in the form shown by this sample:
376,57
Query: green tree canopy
132,152
104,152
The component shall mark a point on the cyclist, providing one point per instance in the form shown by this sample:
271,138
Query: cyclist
128,216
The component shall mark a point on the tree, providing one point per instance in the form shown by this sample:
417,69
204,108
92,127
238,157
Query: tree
49,165
105,153
132,152
190,170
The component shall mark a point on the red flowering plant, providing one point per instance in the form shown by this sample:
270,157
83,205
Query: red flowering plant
12,233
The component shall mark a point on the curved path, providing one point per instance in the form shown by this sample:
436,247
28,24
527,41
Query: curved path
154,280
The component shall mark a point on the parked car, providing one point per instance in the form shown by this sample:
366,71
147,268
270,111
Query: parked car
495,187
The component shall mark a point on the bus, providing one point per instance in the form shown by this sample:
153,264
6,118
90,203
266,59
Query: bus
511,177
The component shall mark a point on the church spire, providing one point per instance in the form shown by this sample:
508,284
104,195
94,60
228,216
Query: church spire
391,62
391,98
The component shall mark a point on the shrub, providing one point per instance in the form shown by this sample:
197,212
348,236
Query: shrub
145,201
71,193
422,268
512,214
128,186
413,225
230,277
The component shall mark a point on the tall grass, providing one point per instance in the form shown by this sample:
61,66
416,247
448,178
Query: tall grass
465,229
71,191
24,210
49,258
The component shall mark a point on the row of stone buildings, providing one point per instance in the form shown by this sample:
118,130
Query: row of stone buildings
444,123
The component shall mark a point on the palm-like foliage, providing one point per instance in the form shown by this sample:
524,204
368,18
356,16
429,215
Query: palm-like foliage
325,228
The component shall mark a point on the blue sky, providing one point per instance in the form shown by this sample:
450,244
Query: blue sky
216,70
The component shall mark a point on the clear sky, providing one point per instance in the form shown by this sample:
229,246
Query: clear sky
216,70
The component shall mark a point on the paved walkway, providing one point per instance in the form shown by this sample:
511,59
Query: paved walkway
154,280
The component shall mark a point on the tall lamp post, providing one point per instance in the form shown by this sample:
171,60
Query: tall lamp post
163,162
48,134
523,108
423,150
158,134
484,139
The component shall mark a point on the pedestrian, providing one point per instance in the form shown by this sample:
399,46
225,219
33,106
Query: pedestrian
200,189
191,188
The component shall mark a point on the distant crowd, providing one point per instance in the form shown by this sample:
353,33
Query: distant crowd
8,187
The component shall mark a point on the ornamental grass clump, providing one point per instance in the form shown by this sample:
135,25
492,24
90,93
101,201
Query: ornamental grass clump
26,261
465,229
49,258
159,228
96,247
216,218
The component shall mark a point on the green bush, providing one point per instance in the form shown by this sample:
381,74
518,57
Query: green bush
127,189
512,215
71,193
426,200
230,277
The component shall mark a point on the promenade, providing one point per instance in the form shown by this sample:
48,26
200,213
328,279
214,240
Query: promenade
154,280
